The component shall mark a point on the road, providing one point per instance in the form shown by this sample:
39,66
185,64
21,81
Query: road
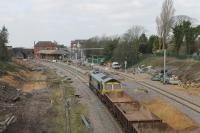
100,117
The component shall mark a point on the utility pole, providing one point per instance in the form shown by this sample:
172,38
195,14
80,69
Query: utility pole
164,76
68,116
76,64
67,110
92,59
125,63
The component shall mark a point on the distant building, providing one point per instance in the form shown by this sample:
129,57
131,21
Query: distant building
77,43
75,48
44,45
49,50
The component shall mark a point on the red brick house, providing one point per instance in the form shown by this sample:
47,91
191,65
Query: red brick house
44,45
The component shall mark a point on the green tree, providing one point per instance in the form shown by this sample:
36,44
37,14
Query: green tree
128,46
106,42
189,37
3,41
184,33
156,43
109,46
178,37
143,40
197,41
92,43
152,46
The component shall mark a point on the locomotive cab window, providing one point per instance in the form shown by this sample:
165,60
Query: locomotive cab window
117,86
108,86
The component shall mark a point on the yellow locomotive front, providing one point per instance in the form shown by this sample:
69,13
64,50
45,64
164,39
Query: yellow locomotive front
102,83
115,86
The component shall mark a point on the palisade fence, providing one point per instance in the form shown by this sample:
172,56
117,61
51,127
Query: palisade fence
180,56
95,59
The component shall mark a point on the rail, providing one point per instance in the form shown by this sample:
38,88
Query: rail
189,104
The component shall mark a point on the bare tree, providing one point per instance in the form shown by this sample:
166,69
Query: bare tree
165,22
179,19
128,46
133,33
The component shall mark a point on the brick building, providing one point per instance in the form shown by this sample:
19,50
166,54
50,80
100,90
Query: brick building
48,50
44,45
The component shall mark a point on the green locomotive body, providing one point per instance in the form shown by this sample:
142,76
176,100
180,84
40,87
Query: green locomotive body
101,83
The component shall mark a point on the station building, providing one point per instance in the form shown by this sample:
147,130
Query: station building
49,50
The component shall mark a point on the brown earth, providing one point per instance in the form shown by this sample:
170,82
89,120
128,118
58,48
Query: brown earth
41,107
31,117
31,108
25,78
170,115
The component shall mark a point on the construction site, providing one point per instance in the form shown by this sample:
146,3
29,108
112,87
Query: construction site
100,66
42,96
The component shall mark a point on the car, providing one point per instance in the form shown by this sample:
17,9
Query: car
157,77
54,61
173,80
116,65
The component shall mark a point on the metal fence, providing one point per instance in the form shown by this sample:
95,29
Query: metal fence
180,56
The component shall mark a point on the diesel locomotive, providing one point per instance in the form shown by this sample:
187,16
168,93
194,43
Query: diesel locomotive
102,83
131,115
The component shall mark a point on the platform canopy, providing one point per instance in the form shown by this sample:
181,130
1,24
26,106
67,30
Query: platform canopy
53,52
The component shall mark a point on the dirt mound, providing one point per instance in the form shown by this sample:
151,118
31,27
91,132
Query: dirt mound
8,97
187,69
8,93
16,105
171,115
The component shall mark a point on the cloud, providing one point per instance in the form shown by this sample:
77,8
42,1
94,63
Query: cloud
65,20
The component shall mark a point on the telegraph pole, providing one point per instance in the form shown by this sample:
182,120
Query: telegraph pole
164,76
125,65
76,65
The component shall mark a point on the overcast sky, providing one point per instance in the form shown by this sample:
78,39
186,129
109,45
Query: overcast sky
64,20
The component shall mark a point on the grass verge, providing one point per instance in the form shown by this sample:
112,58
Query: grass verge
6,66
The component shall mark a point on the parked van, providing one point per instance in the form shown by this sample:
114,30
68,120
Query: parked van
116,65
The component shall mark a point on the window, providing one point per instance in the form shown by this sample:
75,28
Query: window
104,77
117,86
108,86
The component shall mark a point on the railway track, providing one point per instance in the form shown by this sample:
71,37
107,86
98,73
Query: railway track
100,111
178,99
85,81
183,101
